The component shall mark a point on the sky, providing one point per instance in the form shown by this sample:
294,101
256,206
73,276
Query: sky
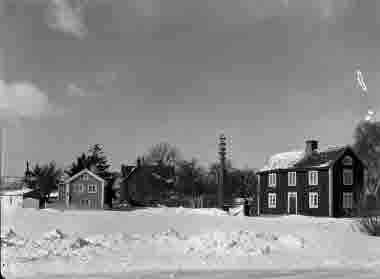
132,73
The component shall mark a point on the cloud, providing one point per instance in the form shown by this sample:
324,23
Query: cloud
23,100
65,17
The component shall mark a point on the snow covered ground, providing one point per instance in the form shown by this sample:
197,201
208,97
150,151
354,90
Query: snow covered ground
182,243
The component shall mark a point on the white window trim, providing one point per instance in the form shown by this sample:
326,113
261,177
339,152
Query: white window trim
313,177
272,180
272,200
88,188
311,200
292,194
85,177
348,171
290,180
348,200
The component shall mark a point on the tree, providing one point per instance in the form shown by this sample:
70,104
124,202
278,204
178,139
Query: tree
163,154
81,163
45,178
191,178
367,145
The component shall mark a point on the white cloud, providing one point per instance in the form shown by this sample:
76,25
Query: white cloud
23,100
65,17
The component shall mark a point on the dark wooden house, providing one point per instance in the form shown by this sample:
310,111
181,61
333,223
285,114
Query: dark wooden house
312,182
143,183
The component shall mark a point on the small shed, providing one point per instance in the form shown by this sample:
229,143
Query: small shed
12,198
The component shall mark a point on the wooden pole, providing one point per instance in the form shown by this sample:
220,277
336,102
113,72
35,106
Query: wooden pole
222,157
2,154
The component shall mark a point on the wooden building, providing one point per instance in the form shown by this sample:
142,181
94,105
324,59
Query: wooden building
312,182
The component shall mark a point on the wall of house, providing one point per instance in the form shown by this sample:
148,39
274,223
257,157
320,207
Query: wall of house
76,197
339,188
323,194
302,189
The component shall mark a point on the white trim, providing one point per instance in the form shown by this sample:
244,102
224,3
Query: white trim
296,195
92,185
82,172
347,197
311,181
290,174
102,198
347,171
331,184
312,195
272,197
67,194
272,179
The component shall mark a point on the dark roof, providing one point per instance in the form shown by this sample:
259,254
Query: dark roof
34,194
324,158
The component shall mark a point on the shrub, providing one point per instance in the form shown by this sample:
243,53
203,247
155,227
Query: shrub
371,225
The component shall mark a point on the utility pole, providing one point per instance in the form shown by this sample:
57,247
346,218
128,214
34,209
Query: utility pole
2,155
222,158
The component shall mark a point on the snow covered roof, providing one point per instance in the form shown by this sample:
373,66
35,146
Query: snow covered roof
17,192
297,159
283,160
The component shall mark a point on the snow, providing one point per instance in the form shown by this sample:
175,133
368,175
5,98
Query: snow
48,242
283,160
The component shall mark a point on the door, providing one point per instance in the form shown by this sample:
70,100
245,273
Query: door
292,203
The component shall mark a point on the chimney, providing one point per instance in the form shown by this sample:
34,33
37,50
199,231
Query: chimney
311,147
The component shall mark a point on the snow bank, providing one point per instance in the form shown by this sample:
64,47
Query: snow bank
55,241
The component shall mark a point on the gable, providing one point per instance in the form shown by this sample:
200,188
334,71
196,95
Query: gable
84,173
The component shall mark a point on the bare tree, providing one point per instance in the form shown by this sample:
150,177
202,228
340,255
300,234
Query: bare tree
367,145
164,154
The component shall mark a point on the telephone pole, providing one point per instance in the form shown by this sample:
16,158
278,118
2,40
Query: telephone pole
222,158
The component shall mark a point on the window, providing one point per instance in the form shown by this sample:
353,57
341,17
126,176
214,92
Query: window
82,202
272,180
85,177
88,203
348,177
272,200
347,200
10,200
258,179
347,161
292,177
91,188
313,177
313,200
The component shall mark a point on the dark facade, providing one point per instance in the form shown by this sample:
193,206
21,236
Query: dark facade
84,190
325,195
145,183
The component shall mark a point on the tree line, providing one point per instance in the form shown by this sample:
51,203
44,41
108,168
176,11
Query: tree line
191,178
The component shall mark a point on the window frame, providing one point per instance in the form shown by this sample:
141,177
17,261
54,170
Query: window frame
312,196
272,197
272,179
350,202
348,171
95,188
313,177
85,177
294,175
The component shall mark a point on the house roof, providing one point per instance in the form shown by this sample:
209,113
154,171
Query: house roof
83,172
297,159
34,194
16,192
